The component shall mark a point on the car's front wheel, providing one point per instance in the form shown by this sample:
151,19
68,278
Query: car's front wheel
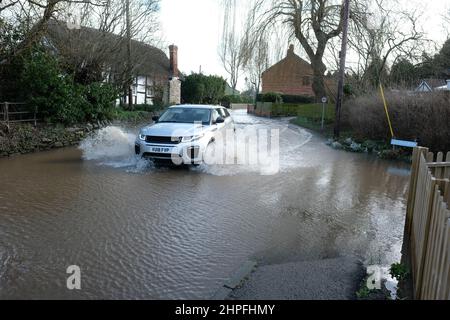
209,157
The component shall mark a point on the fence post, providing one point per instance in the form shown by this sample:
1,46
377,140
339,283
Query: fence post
413,186
35,116
6,113
427,237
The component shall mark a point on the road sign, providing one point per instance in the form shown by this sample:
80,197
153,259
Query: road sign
324,101
403,143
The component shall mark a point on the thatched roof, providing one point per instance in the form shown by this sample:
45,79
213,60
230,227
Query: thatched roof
87,45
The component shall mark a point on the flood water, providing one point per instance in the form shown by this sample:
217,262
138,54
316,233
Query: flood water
142,232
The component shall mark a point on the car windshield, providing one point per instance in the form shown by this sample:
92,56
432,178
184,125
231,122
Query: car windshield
186,115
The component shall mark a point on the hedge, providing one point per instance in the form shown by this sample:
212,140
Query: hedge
286,98
312,112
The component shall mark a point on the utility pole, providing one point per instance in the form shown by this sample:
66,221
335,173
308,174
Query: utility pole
343,56
129,63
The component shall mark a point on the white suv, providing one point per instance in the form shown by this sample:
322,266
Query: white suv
183,133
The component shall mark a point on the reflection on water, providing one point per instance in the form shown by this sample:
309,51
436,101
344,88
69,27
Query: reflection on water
139,232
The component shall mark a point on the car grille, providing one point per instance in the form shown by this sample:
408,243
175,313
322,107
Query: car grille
165,140
157,155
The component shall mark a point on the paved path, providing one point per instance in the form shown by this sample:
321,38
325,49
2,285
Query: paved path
331,279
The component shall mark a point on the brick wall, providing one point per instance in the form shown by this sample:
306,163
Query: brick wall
292,75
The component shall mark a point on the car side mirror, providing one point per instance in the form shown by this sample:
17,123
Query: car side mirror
220,120
155,118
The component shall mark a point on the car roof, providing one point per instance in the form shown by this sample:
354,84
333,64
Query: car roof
195,106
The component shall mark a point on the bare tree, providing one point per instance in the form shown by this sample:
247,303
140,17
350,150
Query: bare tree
258,54
38,13
446,18
380,34
233,46
131,21
312,22
7,4
111,17
257,63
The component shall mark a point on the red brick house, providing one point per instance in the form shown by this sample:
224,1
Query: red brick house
291,76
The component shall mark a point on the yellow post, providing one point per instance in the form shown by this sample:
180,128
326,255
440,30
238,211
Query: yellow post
387,112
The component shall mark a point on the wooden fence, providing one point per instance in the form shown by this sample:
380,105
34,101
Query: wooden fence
428,225
15,112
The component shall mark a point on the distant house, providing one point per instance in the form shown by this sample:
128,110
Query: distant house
424,87
430,85
444,88
155,75
230,92
290,76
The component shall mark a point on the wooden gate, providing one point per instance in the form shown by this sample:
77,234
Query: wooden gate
428,225
14,112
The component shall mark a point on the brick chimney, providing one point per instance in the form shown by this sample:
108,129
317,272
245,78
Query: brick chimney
174,73
290,50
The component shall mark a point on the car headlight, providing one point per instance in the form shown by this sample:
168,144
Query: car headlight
142,137
193,138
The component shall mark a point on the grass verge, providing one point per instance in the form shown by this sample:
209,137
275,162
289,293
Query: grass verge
308,117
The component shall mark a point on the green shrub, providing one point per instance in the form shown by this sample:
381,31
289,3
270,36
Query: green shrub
58,98
272,97
231,99
149,108
202,89
363,292
53,93
297,99
247,99
100,98
348,90
132,116
399,271
311,112
287,98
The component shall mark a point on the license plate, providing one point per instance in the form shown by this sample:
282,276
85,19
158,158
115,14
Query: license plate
161,150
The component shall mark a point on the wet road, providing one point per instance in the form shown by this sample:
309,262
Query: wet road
140,232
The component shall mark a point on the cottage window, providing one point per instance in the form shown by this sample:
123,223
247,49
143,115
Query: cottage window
150,89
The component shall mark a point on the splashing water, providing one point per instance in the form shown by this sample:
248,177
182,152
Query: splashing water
287,153
111,146
114,146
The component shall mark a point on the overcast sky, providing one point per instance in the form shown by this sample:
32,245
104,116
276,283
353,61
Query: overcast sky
195,27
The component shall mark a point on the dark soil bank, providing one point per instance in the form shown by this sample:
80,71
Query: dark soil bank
22,139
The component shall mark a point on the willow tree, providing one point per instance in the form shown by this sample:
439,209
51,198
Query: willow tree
233,45
312,22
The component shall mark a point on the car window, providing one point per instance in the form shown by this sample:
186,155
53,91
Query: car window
215,115
186,115
223,113
220,111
